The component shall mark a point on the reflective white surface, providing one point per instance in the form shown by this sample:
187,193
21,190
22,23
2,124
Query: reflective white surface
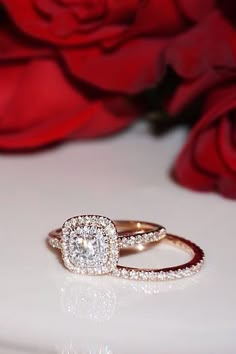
45,309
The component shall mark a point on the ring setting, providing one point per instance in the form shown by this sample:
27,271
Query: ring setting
89,245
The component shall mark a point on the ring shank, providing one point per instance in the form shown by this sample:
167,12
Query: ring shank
130,233
179,271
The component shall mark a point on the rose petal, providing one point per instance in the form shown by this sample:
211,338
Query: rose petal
132,68
187,172
206,151
114,114
42,93
31,21
227,149
10,78
190,90
196,10
227,186
162,18
16,46
208,46
48,108
208,159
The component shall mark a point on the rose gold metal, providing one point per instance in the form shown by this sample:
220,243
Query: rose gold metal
169,273
127,229
139,235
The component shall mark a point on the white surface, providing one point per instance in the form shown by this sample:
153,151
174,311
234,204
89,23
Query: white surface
45,309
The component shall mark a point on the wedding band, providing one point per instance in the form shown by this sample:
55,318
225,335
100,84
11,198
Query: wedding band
90,245
129,232
180,271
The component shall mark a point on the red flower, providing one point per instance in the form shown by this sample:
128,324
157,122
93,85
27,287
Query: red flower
68,67
208,159
205,60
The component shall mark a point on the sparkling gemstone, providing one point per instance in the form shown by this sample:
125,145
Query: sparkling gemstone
91,247
88,247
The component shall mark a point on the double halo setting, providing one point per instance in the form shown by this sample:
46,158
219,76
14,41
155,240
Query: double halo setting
89,245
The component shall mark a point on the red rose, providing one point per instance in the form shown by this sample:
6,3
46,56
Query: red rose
201,57
68,67
205,60
208,159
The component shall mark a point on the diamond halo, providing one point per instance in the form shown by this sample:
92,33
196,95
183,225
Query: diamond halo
89,245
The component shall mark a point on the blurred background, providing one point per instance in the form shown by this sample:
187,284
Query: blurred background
85,69
125,109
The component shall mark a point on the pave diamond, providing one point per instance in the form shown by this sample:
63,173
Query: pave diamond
89,245
142,238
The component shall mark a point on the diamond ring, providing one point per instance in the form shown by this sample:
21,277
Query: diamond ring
90,245
171,273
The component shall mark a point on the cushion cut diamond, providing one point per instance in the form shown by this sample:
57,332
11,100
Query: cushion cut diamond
90,245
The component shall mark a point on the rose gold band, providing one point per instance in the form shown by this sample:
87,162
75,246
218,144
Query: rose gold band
130,233
170,273
90,245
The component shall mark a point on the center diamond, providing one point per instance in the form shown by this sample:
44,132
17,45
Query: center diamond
86,247
89,245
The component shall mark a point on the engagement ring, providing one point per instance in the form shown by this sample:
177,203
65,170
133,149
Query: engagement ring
90,245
